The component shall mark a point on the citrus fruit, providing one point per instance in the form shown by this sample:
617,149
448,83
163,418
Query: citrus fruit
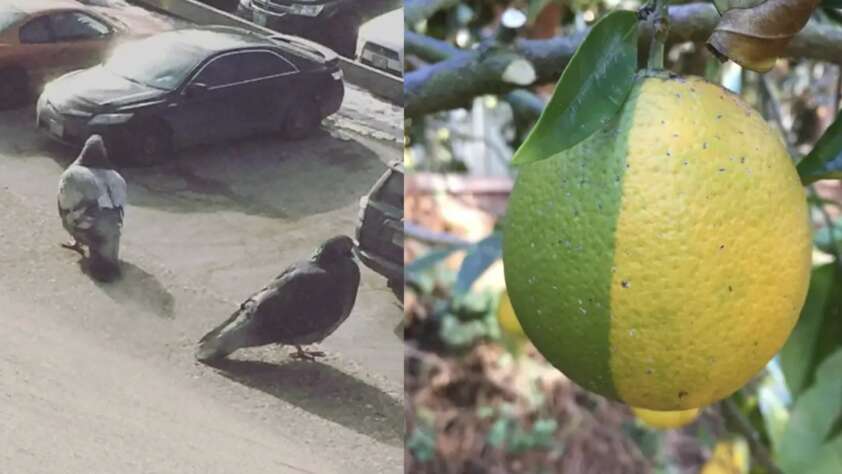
663,260
666,419
729,457
507,318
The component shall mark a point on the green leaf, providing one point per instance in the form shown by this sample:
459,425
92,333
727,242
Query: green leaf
498,433
802,352
815,412
831,3
824,237
829,458
825,160
591,89
480,256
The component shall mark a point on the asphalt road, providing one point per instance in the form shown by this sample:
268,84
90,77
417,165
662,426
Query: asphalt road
100,378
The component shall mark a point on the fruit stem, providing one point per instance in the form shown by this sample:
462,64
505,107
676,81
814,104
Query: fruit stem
661,28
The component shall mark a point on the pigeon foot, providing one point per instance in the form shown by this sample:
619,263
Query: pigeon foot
74,246
303,354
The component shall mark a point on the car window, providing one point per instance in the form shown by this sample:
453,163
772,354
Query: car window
9,18
257,64
219,72
36,31
392,190
72,26
234,68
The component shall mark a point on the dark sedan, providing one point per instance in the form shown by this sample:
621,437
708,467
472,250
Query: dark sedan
333,23
192,86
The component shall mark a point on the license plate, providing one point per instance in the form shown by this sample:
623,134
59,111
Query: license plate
260,18
56,128
380,62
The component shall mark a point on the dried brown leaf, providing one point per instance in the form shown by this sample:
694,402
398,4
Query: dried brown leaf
755,37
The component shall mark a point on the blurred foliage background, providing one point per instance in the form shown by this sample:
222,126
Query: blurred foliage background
479,398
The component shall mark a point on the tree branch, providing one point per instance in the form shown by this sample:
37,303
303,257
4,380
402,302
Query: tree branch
453,82
416,11
741,423
525,105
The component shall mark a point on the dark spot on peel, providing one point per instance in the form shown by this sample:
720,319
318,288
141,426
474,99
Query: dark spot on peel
722,247
682,394
625,284
730,288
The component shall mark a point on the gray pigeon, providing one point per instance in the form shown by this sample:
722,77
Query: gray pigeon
91,201
303,305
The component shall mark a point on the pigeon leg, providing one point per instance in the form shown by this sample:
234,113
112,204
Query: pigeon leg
307,355
75,246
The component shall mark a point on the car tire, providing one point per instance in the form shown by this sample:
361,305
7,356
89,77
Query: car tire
14,88
149,143
397,286
302,121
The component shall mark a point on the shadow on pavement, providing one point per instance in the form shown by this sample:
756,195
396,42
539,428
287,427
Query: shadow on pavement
136,288
326,392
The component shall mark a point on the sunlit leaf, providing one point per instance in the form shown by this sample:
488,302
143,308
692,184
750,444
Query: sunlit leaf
755,37
825,159
802,350
591,89
811,422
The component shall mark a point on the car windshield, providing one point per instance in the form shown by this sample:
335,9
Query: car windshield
9,18
142,61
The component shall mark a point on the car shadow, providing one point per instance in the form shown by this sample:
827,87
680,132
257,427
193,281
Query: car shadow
262,175
325,392
135,288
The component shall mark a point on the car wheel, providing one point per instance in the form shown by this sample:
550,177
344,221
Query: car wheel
302,121
14,88
397,286
149,143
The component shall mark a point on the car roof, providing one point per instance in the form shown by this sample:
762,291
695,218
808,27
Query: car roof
214,39
36,6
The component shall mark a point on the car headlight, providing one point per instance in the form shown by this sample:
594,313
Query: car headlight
110,119
306,10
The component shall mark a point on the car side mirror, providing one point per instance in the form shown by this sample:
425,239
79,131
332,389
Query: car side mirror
196,89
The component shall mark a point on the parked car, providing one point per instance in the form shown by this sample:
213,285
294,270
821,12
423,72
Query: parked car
380,43
42,39
379,230
333,23
213,84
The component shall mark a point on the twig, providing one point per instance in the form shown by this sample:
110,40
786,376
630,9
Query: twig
661,28
427,236
467,78
416,11
758,451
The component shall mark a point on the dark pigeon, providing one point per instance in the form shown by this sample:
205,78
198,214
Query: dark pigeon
91,201
303,305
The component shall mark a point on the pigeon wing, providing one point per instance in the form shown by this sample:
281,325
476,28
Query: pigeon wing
78,197
301,306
